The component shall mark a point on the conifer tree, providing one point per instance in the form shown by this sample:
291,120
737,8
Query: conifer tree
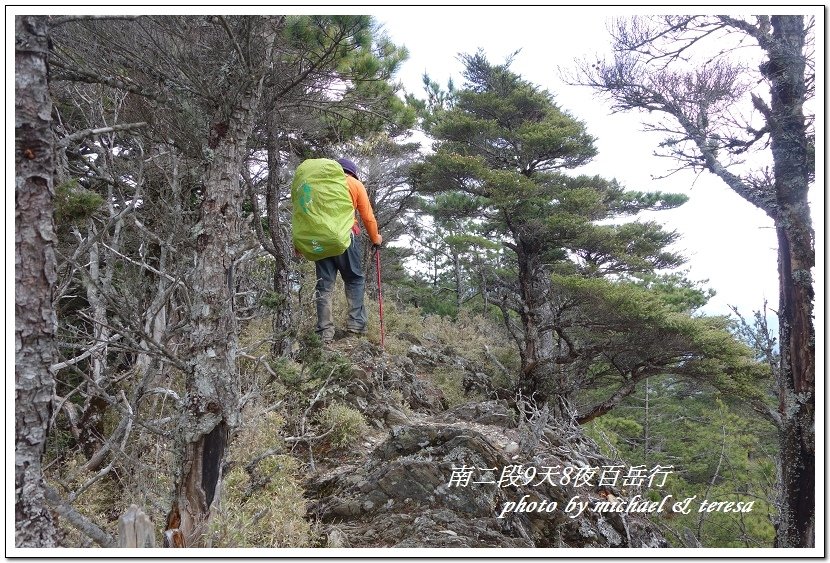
502,145
35,267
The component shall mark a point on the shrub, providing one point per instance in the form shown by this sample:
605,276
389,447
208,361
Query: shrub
450,381
74,204
345,424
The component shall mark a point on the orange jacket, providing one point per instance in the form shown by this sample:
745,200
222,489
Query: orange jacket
360,201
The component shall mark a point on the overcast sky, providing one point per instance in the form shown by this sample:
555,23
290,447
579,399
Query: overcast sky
727,240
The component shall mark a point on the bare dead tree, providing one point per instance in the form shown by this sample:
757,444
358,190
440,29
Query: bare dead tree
702,101
199,80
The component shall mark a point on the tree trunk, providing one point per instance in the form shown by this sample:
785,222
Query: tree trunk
535,381
35,275
282,325
611,402
458,276
95,406
796,258
281,246
212,402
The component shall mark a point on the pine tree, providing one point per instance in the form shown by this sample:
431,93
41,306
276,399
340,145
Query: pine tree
35,274
502,145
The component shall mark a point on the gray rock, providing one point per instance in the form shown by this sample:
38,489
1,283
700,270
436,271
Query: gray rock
408,490
487,412
477,382
402,496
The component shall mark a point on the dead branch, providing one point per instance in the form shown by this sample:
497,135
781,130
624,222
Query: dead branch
55,368
78,520
77,136
55,21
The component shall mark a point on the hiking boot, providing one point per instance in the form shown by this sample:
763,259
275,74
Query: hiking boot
340,334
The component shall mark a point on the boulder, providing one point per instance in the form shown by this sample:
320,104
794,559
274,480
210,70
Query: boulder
410,492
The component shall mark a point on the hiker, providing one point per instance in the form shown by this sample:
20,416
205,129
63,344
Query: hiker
348,264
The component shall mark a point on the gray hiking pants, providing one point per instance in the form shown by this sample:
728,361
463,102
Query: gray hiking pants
348,264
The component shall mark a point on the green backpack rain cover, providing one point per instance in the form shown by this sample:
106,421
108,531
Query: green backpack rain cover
323,213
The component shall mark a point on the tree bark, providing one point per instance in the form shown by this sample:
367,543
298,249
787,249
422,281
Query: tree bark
281,246
611,402
539,349
211,406
796,257
212,402
95,406
35,275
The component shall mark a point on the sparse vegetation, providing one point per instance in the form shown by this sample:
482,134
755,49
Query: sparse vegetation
166,348
263,507
341,426
449,381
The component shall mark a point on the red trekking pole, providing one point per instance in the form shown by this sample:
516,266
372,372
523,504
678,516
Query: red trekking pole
380,294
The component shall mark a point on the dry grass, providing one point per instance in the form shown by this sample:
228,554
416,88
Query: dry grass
261,505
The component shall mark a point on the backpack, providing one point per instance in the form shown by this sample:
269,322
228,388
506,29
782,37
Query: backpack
323,213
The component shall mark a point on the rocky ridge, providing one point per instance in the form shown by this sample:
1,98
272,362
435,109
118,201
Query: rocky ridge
429,476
